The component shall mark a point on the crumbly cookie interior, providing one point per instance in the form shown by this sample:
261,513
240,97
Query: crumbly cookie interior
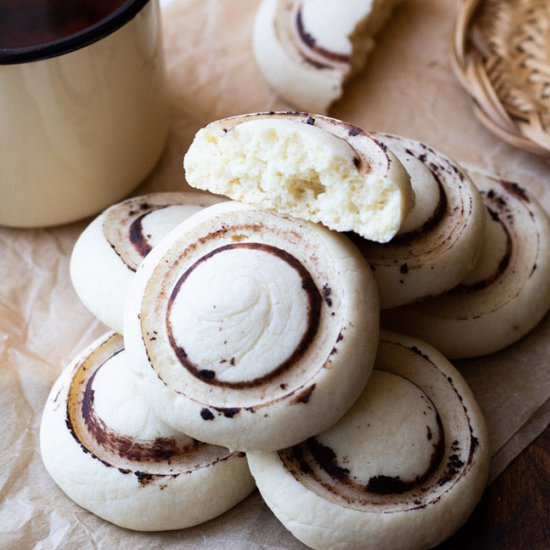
296,169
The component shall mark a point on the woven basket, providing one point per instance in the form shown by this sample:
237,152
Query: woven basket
501,55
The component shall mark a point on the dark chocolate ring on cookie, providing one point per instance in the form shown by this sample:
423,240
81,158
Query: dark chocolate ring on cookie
403,468
308,50
440,240
108,452
250,330
508,291
110,249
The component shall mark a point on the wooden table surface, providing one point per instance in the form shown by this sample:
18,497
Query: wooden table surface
514,513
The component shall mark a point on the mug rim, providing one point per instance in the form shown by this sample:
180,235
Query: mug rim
116,19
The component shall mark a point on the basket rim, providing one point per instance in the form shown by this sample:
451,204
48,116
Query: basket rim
468,66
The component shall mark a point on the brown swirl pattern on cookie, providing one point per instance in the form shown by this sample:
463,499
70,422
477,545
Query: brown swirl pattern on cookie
507,292
300,44
219,244
443,227
242,321
314,301
435,256
450,439
125,224
309,44
147,459
123,230
501,256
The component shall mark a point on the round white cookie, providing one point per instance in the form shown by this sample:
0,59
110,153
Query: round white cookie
441,238
312,167
109,250
404,468
103,446
507,293
308,49
251,330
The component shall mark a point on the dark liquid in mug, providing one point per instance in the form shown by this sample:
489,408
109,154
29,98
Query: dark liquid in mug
26,23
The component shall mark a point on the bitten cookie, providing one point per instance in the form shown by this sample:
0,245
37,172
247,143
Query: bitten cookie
404,468
109,250
440,240
312,167
107,451
308,49
507,293
251,330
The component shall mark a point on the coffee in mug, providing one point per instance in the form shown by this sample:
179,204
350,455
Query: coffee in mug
83,110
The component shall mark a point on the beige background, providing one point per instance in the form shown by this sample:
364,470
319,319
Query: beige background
407,88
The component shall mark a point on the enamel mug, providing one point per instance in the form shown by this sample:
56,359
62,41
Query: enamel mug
83,118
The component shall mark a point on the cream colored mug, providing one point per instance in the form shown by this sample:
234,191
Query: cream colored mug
83,119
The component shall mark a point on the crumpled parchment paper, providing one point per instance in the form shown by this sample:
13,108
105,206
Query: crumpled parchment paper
407,88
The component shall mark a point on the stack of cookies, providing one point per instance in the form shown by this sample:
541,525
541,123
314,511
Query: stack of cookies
246,343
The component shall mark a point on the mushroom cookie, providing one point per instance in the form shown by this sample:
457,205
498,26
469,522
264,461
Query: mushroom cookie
404,468
308,49
107,451
505,295
110,249
312,167
440,240
251,330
